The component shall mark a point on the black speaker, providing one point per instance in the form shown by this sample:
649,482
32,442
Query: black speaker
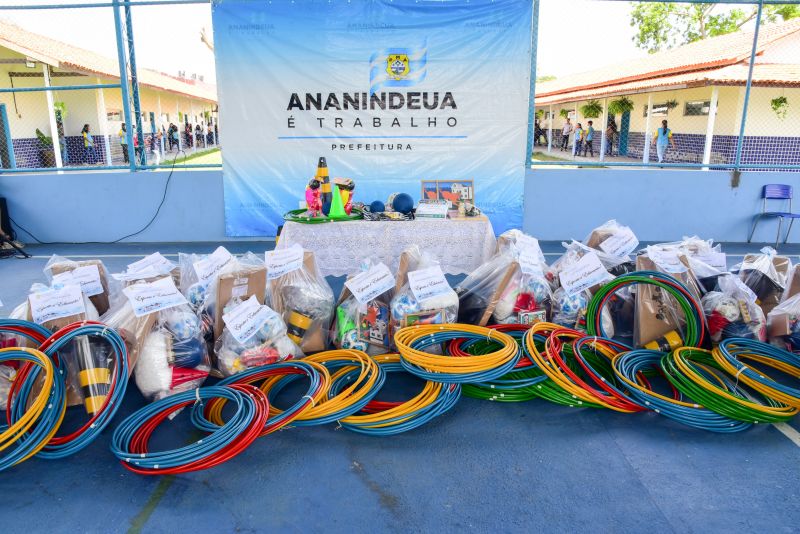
5,223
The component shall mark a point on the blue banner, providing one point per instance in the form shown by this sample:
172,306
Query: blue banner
393,93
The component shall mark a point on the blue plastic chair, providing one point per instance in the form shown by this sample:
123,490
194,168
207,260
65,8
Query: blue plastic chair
775,192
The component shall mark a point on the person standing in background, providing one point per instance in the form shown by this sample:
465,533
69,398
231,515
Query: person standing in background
565,131
88,146
123,142
663,139
588,145
578,139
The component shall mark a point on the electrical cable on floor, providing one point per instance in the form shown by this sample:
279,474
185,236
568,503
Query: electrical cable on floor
145,227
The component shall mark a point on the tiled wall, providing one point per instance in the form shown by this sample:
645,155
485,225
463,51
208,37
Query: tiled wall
27,153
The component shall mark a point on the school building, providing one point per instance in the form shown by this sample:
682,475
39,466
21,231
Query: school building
700,89
31,60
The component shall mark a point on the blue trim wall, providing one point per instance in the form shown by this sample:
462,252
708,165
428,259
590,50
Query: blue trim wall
659,205
104,206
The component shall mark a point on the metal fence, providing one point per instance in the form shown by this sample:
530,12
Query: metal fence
720,88
67,108
731,99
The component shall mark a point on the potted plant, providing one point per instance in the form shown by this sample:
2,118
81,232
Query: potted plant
46,155
780,106
564,113
671,104
621,105
592,109
540,114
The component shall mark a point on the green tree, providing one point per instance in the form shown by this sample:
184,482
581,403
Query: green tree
662,25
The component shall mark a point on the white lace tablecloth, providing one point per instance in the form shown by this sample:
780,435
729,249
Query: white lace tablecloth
461,245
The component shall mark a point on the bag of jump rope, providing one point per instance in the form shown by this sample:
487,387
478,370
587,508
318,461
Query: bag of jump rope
253,335
766,275
165,337
422,293
574,253
211,282
297,290
732,311
363,316
509,288
90,274
614,240
152,266
55,307
783,324
7,371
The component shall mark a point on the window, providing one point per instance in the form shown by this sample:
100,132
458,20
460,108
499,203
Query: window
659,110
697,107
114,115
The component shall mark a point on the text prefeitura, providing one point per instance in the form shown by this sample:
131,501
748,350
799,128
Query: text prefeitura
379,101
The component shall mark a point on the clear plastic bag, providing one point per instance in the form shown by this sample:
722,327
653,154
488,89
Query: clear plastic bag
406,310
269,344
90,274
364,326
613,239
732,312
305,301
575,250
783,324
173,357
508,288
7,374
765,274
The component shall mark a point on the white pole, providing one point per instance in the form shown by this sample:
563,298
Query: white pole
647,131
102,120
178,118
159,121
51,114
712,117
191,134
604,125
575,125
550,131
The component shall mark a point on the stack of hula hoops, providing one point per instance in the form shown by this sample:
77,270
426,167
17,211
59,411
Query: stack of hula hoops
727,388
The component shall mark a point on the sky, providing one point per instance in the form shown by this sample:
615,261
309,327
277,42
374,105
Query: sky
167,38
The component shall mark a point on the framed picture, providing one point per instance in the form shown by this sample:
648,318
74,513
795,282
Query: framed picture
430,191
456,191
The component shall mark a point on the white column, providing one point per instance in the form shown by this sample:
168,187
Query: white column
604,125
180,126
102,120
647,130
194,140
574,126
712,117
550,131
51,114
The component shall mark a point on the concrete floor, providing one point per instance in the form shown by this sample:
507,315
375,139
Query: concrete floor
483,466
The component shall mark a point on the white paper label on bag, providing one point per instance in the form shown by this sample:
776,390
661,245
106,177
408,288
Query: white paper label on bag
211,265
620,244
155,296
529,255
585,273
155,261
428,283
370,284
53,304
147,272
283,261
246,319
717,260
88,277
667,260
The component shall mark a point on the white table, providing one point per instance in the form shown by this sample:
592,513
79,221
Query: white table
460,245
